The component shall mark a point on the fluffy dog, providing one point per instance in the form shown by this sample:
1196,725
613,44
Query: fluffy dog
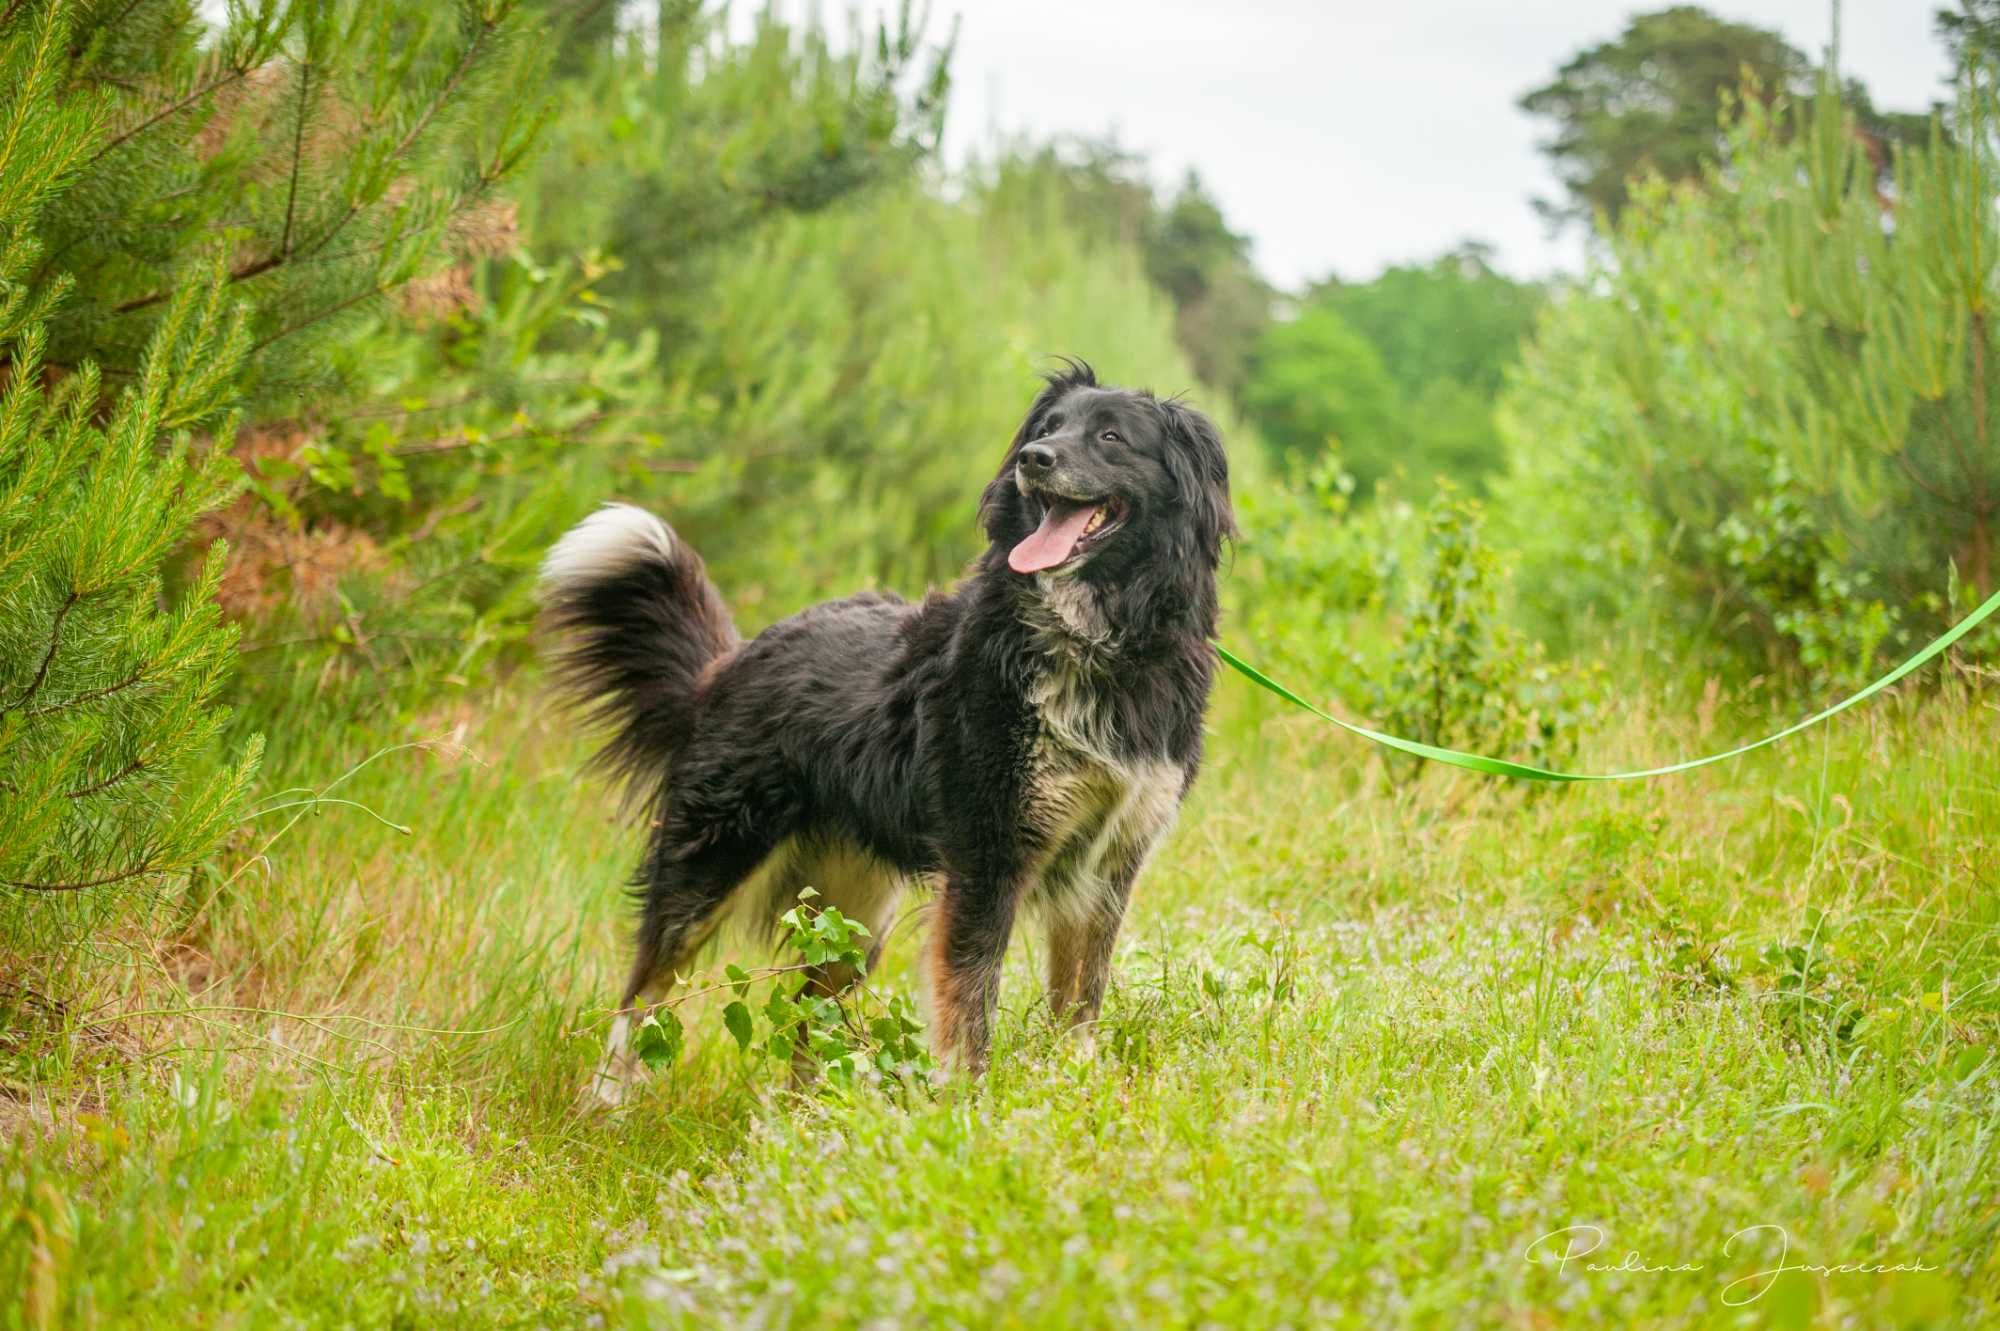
1023,741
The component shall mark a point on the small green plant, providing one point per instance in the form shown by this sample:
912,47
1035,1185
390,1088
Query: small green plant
1463,676
1812,991
1308,563
785,1014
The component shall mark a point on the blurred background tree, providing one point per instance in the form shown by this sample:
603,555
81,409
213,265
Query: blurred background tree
1400,372
1971,33
1645,103
1221,303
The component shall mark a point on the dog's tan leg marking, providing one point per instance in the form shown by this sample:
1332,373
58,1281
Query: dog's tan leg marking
1084,922
967,944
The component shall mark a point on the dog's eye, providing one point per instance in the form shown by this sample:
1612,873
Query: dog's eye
1112,437
1048,427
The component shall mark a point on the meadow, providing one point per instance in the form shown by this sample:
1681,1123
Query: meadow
1366,1050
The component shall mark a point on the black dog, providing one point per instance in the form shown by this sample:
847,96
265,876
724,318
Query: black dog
1025,739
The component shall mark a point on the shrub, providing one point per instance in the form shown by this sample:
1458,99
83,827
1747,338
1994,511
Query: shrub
1461,675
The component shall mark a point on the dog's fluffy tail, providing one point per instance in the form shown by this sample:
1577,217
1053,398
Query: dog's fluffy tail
639,621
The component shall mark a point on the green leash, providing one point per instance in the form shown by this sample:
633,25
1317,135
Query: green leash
1474,762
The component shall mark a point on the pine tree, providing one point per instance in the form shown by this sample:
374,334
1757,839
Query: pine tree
192,214
108,685
322,152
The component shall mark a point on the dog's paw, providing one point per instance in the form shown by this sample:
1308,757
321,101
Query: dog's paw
611,1084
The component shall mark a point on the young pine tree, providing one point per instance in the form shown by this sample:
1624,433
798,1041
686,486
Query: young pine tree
1791,378
325,153
108,682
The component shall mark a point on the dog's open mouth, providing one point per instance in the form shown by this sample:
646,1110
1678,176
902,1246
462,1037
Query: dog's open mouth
1069,526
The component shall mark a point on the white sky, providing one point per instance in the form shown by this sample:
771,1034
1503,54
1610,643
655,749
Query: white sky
1344,136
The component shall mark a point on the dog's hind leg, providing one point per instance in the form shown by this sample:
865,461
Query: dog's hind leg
686,888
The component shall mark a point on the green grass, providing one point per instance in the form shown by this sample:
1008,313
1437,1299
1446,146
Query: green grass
1363,1048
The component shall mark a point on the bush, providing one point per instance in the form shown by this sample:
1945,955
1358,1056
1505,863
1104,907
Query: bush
1462,676
1403,616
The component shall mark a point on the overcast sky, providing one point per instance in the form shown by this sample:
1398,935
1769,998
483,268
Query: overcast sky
1343,136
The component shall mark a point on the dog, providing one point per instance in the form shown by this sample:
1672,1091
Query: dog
1022,742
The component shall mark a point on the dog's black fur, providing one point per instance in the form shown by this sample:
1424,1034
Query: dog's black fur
1023,739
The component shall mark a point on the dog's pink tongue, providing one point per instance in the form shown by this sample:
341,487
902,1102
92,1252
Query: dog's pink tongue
1052,542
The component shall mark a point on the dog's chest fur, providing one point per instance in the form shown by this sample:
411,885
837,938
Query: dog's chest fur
1097,811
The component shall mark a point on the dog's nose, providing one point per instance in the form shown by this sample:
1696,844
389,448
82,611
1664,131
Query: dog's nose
1038,459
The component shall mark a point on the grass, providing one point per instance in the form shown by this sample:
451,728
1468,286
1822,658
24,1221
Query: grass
1365,1047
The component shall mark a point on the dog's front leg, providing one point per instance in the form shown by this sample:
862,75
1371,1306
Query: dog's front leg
1082,940
1080,948
967,946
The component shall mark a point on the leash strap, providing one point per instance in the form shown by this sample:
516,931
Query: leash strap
1474,762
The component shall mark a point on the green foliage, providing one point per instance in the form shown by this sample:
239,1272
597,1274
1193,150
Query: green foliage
1645,104
1790,393
1461,675
1406,616
795,430
1399,373
674,142
1221,304
784,1015
1308,565
527,381
108,692
324,154
1971,33
1453,321
1318,386
109,687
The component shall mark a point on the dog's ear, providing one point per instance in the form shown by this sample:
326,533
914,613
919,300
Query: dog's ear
1200,468
997,498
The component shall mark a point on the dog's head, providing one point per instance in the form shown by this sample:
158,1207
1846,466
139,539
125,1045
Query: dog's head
1110,486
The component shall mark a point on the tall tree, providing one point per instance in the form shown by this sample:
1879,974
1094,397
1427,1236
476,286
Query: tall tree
1648,101
1220,302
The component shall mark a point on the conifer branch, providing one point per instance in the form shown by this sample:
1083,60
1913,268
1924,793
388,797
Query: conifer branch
99,787
298,154
140,869
165,113
93,695
376,289
285,253
76,48
423,123
55,642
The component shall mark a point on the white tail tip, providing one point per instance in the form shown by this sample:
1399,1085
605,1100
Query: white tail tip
606,543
